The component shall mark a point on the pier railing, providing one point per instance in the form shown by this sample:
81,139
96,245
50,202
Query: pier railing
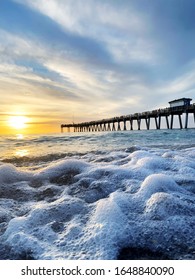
113,124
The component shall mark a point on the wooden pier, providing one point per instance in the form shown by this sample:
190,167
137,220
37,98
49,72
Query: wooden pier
113,124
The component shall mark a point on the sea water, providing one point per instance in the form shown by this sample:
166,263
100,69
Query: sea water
101,195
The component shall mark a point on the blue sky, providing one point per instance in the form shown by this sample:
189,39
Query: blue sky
79,60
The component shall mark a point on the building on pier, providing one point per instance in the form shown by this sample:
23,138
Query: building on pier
180,102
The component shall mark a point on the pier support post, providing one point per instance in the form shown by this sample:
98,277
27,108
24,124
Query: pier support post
156,122
125,128
131,124
113,127
147,123
138,123
159,122
119,128
167,121
61,129
186,120
180,121
109,129
172,117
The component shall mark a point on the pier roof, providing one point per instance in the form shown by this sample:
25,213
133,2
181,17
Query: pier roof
181,99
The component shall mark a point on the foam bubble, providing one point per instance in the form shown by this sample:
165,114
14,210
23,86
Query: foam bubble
163,205
158,183
62,172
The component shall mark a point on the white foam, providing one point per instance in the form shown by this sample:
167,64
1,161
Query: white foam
62,167
135,200
158,183
10,174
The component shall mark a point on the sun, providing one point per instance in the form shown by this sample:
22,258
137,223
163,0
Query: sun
18,122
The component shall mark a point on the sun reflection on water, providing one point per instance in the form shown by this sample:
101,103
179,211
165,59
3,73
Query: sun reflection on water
22,153
19,136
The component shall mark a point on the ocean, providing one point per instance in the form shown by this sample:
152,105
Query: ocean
99,196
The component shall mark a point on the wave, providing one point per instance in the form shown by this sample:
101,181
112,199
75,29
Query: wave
120,204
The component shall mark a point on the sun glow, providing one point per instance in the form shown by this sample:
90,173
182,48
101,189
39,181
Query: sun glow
18,122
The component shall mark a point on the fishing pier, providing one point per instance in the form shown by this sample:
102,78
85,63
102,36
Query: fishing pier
177,108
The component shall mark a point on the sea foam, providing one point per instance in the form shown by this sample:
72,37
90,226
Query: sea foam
99,208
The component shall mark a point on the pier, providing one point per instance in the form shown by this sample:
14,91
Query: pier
176,110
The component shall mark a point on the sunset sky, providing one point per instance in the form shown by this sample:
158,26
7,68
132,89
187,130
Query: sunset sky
81,60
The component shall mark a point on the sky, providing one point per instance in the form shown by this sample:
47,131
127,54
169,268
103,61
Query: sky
64,61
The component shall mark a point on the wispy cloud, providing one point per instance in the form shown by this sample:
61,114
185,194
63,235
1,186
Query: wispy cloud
94,58
120,28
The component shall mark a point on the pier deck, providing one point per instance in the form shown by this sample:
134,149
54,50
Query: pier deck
113,124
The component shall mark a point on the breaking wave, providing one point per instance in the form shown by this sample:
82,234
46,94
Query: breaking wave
122,204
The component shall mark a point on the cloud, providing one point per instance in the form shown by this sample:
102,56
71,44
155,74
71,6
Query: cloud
40,70
183,84
75,15
95,58
120,28
40,27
